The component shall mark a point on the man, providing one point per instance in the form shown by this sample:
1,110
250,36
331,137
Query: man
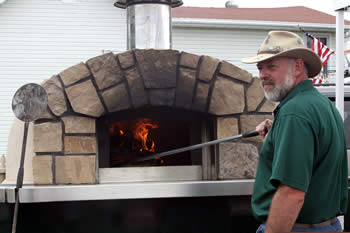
301,182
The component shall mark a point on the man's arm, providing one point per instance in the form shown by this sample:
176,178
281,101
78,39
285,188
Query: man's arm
285,207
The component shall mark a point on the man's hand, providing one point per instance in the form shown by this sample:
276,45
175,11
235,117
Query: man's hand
264,127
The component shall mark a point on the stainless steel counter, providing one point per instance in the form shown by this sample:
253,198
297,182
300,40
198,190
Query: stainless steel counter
57,193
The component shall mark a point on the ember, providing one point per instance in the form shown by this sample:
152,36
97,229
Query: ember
134,135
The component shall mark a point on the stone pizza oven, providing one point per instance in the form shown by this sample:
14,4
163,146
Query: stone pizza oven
65,139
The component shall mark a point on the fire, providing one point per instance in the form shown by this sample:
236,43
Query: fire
141,133
135,134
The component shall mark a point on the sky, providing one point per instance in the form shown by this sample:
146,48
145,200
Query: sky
325,6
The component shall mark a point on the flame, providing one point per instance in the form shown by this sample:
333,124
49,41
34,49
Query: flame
141,133
139,130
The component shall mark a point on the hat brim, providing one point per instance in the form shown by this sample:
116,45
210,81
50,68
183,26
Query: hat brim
311,59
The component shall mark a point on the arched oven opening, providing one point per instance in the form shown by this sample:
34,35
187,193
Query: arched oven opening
124,137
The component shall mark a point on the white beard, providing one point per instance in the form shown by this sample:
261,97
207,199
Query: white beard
280,91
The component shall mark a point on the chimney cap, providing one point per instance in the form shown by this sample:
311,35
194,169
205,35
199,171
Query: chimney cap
125,3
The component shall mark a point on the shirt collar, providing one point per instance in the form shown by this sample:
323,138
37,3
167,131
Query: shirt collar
302,86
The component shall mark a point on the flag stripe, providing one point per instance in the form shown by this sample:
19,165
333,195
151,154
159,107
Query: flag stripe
321,50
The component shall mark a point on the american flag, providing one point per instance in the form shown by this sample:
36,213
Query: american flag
322,51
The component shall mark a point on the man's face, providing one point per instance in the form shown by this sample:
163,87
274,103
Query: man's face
276,77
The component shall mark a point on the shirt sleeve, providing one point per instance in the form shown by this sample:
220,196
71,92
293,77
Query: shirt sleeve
294,141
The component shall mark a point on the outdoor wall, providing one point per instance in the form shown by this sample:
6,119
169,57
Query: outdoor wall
39,38
233,44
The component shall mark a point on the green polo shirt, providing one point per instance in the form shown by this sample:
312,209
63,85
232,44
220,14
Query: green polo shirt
305,149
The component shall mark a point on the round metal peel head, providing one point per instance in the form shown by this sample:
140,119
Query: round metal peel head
29,102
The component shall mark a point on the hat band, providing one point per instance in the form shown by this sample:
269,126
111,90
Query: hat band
270,49
268,52
273,50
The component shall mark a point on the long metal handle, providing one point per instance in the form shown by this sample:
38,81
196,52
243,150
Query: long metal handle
20,175
252,133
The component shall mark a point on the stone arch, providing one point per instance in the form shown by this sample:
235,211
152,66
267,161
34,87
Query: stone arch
66,136
138,78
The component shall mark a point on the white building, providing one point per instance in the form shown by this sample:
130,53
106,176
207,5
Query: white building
40,38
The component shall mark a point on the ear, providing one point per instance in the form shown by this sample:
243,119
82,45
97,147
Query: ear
298,67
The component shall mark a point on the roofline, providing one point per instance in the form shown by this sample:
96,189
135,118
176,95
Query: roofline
251,24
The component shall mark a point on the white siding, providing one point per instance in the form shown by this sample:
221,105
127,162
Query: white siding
225,44
40,38
232,44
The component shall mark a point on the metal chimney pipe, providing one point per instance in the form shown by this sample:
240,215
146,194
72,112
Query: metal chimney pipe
148,23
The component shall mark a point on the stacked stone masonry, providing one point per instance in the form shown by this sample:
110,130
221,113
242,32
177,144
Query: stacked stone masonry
65,137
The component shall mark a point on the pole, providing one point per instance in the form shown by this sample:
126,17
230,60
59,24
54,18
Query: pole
20,175
339,84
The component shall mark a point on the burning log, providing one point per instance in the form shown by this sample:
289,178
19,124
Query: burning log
131,140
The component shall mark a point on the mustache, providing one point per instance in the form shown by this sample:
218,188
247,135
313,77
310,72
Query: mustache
267,82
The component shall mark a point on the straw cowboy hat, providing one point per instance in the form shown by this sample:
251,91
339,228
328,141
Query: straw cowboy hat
286,44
